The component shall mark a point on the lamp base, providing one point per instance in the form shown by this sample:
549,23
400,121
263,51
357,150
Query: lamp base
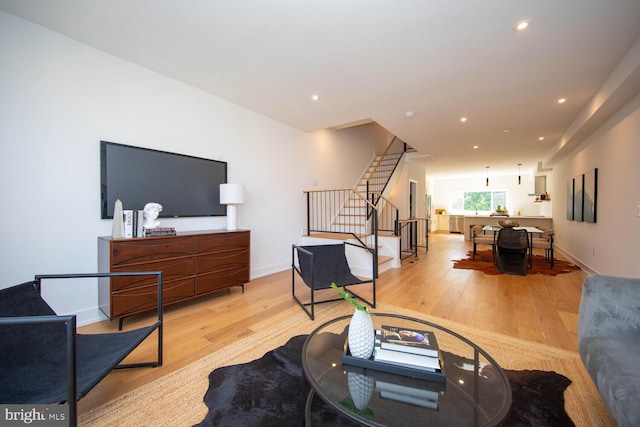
232,223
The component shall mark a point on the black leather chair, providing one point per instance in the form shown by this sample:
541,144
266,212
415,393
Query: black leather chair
321,265
512,246
42,358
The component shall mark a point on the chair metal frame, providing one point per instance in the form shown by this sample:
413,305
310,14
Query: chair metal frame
309,307
71,332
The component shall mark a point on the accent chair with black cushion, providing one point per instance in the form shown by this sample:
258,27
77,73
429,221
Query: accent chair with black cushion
321,265
609,343
480,238
42,358
544,242
512,246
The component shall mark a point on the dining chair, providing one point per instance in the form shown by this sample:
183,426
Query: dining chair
512,246
545,242
480,238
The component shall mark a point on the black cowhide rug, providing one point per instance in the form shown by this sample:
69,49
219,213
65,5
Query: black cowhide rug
268,392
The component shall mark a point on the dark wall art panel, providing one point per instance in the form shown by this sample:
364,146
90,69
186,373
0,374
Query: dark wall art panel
578,189
570,199
590,195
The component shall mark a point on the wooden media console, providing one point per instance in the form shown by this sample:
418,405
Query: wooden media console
193,264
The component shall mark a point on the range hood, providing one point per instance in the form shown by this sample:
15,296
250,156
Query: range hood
540,185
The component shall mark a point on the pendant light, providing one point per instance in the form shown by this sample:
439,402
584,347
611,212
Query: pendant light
519,178
487,176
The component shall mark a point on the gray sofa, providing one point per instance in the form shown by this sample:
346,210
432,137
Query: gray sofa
609,343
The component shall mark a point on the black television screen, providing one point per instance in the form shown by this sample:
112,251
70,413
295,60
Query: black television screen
185,186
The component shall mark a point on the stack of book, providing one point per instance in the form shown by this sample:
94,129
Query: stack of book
132,221
410,351
402,351
159,231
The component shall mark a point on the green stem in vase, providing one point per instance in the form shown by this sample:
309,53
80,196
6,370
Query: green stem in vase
344,294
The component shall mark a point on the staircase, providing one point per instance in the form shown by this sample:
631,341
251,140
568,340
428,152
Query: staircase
361,213
375,180
370,187
354,213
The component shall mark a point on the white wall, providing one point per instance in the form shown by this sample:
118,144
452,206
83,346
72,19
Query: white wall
59,98
417,174
612,245
357,145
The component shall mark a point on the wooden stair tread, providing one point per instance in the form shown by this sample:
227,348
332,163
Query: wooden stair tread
334,236
384,258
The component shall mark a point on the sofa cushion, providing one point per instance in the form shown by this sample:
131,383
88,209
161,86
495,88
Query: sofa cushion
614,366
610,308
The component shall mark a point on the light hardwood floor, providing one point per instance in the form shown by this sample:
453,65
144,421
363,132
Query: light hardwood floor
538,308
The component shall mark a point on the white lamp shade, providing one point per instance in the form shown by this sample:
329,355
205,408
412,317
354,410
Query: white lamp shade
231,194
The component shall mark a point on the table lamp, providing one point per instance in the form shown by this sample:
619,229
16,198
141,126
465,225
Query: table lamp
231,195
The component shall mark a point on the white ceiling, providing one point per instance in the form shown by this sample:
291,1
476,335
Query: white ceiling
376,60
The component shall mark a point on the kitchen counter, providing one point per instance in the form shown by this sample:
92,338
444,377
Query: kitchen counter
524,220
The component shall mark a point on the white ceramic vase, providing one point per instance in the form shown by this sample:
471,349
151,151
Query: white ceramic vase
361,335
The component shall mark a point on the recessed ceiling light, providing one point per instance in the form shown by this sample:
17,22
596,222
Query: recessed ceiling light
463,119
562,100
522,25
475,147
541,138
506,130
409,114
315,97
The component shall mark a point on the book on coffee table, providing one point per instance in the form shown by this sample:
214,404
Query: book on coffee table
415,361
408,340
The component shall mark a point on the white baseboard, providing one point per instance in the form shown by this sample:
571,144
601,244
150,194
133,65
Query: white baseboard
272,269
89,316
588,269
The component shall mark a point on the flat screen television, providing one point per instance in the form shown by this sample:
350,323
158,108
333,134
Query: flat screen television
185,186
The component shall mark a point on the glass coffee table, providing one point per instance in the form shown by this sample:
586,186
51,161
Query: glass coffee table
476,392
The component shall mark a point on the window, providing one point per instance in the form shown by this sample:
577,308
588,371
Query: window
472,201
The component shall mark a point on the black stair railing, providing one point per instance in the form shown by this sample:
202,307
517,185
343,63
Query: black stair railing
380,174
337,211
344,211
414,234
388,215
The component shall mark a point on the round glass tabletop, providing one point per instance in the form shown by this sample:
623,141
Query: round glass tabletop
476,391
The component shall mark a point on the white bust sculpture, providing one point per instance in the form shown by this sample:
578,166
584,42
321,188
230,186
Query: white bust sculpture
151,212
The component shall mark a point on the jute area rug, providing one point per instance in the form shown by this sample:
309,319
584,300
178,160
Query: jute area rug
177,398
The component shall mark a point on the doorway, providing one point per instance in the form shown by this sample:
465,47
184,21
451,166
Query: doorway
413,192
